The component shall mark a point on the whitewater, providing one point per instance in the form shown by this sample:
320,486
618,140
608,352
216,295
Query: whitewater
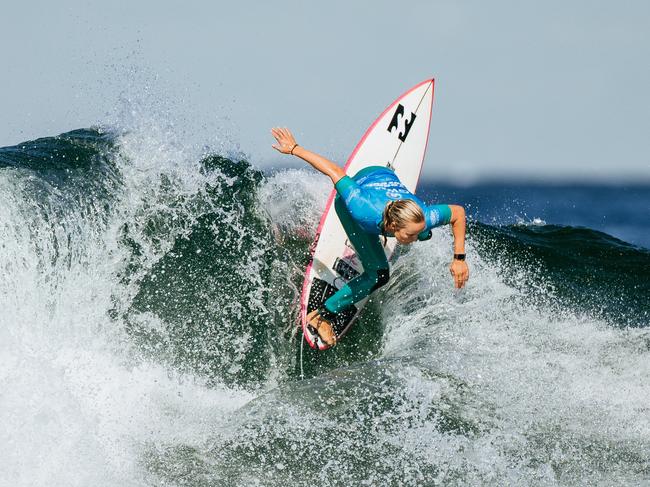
148,304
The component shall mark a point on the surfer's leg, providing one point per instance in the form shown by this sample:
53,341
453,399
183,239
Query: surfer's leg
373,259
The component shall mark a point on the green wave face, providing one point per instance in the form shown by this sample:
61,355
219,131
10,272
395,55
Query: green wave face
584,270
150,297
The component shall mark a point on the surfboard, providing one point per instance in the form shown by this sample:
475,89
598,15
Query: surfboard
396,139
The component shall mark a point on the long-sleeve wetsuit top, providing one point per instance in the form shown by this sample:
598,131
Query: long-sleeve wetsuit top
367,194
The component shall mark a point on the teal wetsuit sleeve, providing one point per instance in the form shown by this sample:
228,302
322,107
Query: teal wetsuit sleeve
355,199
434,215
345,186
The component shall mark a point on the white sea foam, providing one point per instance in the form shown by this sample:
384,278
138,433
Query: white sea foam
78,406
555,396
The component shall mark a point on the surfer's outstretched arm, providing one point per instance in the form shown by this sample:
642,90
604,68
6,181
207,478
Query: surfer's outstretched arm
287,145
458,268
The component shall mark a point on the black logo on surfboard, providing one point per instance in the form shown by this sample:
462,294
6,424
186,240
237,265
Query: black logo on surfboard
398,117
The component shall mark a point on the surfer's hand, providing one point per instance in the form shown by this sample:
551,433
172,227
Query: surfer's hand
286,141
460,271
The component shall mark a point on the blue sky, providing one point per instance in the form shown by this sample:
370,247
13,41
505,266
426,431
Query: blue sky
550,90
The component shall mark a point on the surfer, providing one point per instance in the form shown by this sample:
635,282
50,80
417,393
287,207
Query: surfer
372,203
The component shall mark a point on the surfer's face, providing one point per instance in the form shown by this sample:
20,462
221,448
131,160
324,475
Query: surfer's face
409,233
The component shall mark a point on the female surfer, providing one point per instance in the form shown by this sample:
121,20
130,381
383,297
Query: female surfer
371,203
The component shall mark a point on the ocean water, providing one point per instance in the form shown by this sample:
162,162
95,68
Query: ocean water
622,211
148,308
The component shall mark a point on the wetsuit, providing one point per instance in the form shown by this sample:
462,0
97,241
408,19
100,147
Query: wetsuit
360,204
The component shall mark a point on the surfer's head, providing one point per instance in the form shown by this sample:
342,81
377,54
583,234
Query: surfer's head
404,219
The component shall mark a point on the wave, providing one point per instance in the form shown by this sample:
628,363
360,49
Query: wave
150,297
583,269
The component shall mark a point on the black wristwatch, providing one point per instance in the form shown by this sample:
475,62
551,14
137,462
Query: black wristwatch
459,256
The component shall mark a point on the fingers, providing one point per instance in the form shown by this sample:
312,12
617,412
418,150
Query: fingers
281,140
454,276
282,132
461,279
460,276
458,283
277,134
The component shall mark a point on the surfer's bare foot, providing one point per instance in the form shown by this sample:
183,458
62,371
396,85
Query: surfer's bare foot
323,327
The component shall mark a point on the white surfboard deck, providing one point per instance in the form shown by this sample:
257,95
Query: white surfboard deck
397,139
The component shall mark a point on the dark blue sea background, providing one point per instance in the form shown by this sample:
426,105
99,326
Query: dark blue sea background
620,210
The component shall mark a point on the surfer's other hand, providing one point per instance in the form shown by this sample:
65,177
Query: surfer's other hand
285,140
460,272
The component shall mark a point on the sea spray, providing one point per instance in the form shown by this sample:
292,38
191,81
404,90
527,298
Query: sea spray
149,302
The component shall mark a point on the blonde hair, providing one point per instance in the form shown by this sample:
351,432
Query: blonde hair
398,213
